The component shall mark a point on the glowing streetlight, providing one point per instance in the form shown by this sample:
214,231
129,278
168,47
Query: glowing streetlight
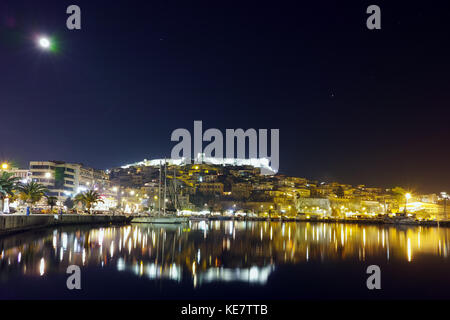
48,175
407,197
5,166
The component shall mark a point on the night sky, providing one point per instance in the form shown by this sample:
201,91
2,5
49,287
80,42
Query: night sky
352,105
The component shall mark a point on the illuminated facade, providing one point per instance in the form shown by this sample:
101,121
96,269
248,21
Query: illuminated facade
61,178
67,179
262,163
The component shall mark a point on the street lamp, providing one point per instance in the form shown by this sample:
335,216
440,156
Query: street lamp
5,166
407,197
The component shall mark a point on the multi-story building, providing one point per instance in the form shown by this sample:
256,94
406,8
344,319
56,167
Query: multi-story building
67,179
61,178
94,179
429,198
210,188
23,174
303,192
241,190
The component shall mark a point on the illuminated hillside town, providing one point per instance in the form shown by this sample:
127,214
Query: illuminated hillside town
216,191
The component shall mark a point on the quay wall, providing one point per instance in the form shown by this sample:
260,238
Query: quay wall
16,223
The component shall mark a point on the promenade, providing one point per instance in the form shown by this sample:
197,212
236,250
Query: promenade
17,222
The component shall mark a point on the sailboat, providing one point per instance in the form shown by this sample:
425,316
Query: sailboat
162,217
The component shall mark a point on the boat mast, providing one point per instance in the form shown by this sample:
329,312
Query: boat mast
175,200
159,189
165,185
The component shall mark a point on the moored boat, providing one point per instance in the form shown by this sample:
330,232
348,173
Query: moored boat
160,219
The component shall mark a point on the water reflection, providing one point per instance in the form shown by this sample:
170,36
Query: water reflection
204,252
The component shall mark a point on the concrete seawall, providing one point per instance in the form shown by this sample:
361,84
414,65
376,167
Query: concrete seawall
16,223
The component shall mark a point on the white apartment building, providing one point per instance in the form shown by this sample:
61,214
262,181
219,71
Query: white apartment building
59,177
67,179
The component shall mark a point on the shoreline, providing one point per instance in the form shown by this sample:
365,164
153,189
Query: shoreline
10,224
336,220
15,223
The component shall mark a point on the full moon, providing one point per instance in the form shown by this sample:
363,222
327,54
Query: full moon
44,43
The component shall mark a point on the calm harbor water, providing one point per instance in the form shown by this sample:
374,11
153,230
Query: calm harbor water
227,260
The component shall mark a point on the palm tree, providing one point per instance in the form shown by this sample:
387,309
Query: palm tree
8,184
69,203
31,192
88,199
51,201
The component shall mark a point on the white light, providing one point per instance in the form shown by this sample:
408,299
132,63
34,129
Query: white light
44,43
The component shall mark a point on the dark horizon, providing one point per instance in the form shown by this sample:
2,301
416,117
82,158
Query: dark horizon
352,105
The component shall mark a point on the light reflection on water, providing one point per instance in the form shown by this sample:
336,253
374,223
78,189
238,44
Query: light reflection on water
215,251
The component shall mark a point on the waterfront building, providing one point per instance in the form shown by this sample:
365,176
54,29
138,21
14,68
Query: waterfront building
67,179
61,178
429,198
313,206
23,174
